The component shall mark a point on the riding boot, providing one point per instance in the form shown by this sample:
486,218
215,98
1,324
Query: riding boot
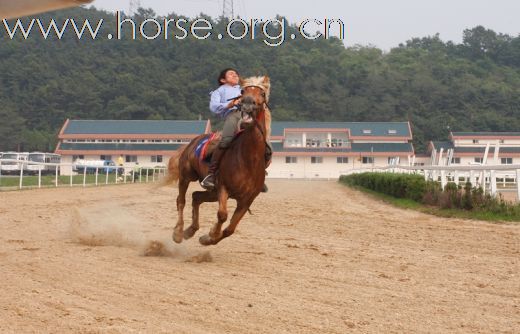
209,181
268,155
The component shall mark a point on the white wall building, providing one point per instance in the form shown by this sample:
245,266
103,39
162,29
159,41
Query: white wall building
469,148
301,149
146,143
328,149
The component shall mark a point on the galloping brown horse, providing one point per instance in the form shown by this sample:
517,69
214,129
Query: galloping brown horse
241,172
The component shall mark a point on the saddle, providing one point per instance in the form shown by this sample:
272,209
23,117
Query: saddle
208,144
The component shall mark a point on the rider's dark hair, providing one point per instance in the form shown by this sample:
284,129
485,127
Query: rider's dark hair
223,74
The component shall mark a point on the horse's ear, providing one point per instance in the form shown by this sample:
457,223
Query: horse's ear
266,80
241,82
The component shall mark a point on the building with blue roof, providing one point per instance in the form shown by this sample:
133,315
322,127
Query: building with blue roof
149,143
468,148
328,149
301,149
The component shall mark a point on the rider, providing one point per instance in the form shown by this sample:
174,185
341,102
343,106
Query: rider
224,104
224,101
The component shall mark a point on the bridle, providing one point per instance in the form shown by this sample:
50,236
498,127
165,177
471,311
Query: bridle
242,93
250,113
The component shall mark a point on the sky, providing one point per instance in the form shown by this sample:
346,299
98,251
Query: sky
381,23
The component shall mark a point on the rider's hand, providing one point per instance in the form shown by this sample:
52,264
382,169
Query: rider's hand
233,103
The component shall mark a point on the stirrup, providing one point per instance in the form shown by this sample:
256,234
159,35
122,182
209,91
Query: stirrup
207,184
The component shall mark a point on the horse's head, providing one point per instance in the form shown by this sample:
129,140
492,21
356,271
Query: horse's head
255,95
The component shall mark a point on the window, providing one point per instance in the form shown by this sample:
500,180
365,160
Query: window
156,158
316,160
479,160
105,157
313,142
475,141
76,157
131,158
455,160
393,160
291,160
367,131
506,161
342,160
392,132
339,142
368,160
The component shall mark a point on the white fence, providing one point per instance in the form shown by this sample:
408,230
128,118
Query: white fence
484,176
100,175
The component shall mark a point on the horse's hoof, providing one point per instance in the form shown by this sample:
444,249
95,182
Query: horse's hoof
206,240
189,233
177,237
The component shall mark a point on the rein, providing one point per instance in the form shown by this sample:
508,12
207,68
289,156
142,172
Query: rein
264,104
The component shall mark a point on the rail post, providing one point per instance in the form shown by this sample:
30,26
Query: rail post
21,175
518,185
443,179
493,183
472,178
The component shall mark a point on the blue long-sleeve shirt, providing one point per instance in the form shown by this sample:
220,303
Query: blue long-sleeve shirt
220,98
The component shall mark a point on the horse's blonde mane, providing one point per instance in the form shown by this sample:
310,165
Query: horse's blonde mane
258,81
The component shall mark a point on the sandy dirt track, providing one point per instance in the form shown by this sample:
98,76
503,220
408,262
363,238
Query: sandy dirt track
315,257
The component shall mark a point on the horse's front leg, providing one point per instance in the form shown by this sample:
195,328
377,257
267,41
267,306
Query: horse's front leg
215,234
181,202
239,213
198,197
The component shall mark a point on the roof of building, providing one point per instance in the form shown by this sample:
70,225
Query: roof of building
355,148
445,145
160,127
377,129
118,147
501,150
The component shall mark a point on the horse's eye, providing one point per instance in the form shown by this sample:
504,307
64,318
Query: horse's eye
263,94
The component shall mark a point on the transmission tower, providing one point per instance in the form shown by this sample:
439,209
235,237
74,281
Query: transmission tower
133,7
228,9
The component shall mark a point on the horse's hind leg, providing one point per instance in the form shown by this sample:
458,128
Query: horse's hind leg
215,233
181,202
199,197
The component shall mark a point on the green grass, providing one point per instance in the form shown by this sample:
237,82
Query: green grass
49,181
405,203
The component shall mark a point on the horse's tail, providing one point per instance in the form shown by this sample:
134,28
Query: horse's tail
173,168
